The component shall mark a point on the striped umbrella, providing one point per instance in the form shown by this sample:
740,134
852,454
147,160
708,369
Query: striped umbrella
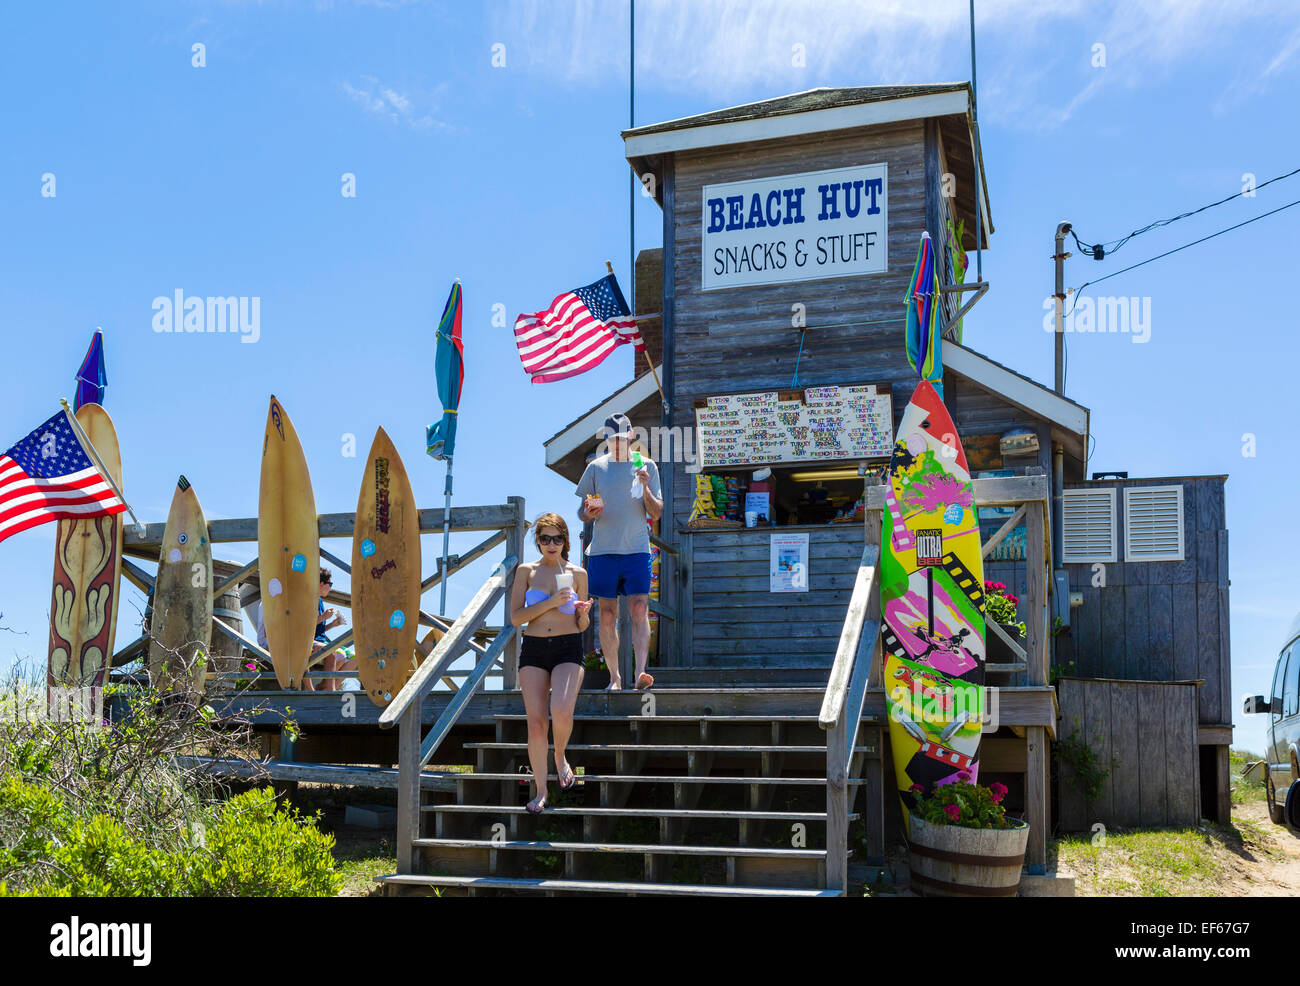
923,317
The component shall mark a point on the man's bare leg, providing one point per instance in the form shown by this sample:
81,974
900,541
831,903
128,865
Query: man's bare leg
609,641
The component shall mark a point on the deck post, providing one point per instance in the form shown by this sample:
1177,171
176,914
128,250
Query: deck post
1036,593
1036,807
515,536
408,787
837,808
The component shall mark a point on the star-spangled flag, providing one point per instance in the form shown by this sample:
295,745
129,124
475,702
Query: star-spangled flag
579,329
48,476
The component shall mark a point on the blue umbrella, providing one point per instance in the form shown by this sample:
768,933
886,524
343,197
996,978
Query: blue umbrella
92,380
440,438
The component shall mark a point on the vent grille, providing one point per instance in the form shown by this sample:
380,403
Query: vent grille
1088,526
1153,523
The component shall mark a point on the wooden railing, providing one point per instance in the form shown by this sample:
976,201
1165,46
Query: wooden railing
415,750
841,711
506,523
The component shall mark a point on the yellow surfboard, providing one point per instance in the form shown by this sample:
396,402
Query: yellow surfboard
87,569
288,549
385,573
181,627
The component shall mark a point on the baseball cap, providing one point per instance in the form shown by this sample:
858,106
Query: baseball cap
618,426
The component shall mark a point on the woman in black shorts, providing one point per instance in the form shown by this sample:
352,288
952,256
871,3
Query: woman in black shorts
550,659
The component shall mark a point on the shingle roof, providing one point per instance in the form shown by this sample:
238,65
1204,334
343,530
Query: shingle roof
800,102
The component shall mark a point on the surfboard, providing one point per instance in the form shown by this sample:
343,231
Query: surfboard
181,626
385,573
932,603
288,549
87,569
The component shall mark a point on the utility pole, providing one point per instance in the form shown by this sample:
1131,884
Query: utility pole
1062,231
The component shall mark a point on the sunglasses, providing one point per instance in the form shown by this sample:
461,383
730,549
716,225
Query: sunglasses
550,539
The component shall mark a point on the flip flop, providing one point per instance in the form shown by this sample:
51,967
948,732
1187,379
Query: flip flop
645,681
534,811
573,779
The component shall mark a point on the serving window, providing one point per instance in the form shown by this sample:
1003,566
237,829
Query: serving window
783,496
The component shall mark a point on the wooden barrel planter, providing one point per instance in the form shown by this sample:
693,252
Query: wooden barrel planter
948,861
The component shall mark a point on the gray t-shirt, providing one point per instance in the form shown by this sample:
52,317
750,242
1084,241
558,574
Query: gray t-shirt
621,529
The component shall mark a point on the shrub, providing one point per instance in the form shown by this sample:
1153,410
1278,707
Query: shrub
250,848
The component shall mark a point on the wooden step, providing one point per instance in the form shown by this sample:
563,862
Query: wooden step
595,886
690,813
695,717
623,847
667,748
654,779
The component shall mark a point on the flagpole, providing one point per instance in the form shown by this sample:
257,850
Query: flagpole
610,267
89,448
446,541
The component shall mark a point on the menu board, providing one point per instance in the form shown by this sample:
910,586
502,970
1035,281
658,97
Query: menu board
795,426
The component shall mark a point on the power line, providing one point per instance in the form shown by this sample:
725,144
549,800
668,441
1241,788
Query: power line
1247,222
1098,251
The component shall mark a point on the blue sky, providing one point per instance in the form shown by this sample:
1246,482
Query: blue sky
225,180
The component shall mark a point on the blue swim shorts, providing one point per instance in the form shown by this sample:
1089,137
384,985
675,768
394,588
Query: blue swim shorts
611,576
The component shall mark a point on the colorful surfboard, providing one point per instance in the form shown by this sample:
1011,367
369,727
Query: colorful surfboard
87,568
288,549
932,602
181,626
385,573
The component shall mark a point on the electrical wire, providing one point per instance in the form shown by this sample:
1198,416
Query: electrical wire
1159,256
1098,251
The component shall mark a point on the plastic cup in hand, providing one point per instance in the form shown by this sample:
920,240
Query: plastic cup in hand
564,583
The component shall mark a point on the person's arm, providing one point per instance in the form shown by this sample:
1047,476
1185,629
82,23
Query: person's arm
581,608
521,614
586,486
652,495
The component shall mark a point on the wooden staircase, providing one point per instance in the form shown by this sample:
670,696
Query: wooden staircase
697,800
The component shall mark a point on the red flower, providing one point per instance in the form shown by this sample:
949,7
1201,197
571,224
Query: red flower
953,812
916,789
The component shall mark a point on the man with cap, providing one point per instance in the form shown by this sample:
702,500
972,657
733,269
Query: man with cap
618,560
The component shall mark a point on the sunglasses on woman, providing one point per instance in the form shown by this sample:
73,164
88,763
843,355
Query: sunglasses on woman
550,539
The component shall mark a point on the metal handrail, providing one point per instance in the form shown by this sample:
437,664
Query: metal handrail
841,711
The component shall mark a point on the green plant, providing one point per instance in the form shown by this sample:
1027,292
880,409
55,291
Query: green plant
250,848
1056,671
1000,606
594,661
963,804
1088,773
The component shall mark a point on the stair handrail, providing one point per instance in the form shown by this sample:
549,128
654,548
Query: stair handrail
405,708
841,711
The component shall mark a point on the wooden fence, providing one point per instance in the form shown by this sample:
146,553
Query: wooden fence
1143,734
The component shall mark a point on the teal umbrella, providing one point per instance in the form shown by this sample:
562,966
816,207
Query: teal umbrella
440,438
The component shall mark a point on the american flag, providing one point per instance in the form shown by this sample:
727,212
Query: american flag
47,476
577,332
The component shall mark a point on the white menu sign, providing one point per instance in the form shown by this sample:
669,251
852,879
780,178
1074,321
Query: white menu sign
796,227
828,423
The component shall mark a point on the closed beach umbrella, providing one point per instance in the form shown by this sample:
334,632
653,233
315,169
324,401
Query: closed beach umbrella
449,368
440,438
923,317
92,380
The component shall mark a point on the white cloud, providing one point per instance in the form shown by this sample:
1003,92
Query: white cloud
393,105
1028,50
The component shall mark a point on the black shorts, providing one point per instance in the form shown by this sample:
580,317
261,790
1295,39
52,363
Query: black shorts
548,652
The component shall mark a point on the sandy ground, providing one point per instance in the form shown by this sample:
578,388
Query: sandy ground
1272,872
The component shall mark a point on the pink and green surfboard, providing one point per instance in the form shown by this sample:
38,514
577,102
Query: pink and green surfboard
932,603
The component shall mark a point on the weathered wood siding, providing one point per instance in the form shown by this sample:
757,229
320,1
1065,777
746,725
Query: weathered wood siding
1160,621
1146,733
737,621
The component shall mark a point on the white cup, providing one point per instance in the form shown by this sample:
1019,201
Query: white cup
564,583
751,518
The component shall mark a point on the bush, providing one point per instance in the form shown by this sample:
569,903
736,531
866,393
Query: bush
255,850
250,848
963,804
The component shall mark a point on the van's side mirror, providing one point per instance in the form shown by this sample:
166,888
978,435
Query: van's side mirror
1255,705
